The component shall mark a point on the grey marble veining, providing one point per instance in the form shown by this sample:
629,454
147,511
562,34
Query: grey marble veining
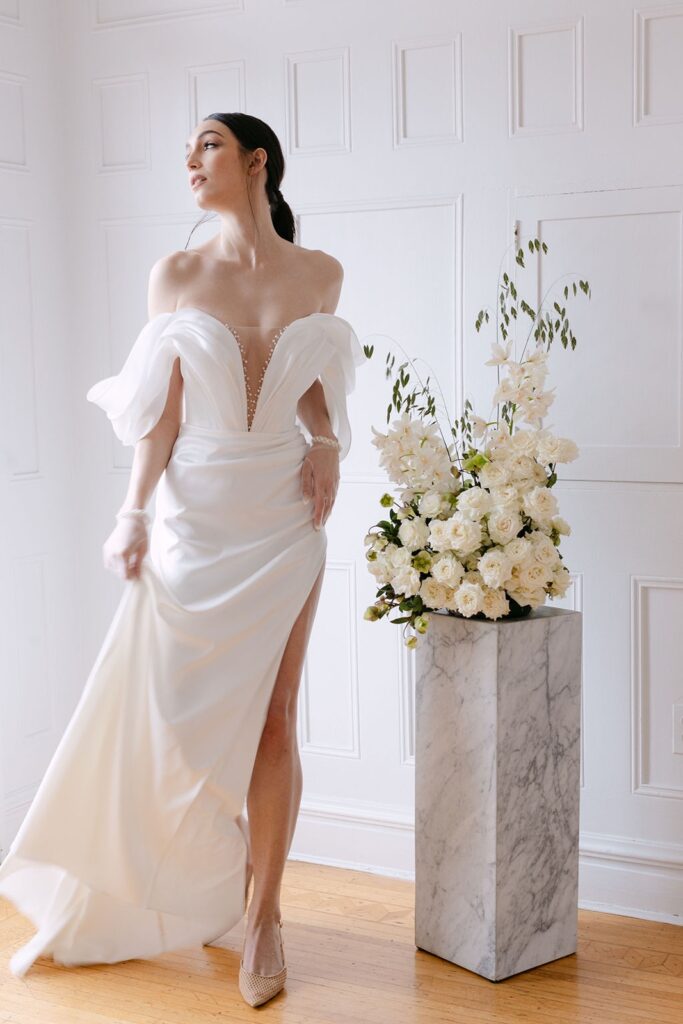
497,790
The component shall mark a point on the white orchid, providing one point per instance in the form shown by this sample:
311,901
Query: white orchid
499,354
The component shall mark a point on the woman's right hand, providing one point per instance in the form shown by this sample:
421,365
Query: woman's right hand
125,547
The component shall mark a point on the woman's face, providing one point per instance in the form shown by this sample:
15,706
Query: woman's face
215,165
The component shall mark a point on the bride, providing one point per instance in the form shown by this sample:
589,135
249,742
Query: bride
135,842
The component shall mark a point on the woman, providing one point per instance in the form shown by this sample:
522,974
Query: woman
135,842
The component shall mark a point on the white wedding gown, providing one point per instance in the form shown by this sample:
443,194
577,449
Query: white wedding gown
131,846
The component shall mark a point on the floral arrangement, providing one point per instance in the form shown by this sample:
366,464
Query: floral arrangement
475,529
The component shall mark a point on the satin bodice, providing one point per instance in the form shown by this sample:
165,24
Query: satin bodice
320,345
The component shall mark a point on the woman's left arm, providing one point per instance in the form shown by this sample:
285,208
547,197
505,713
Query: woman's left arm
320,469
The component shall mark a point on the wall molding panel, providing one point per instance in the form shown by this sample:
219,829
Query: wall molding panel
563,42
318,82
640,438
332,663
657,38
110,14
13,140
428,90
214,87
19,411
647,734
124,139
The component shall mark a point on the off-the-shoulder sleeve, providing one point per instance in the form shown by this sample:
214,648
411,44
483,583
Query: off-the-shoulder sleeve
135,397
338,377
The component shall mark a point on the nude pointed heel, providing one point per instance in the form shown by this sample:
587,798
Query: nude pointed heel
259,988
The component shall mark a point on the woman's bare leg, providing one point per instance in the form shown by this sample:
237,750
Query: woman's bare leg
274,797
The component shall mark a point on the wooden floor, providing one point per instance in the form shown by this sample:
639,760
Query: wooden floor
349,944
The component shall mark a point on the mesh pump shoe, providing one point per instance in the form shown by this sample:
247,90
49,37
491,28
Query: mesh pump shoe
259,988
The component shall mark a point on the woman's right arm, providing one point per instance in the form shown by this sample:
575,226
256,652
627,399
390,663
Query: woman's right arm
126,546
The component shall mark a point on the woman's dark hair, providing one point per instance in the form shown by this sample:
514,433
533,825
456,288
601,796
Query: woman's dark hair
251,132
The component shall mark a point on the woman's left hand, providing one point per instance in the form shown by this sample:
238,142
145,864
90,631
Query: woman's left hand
320,480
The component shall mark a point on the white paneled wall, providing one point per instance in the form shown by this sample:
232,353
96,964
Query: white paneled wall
421,140
41,496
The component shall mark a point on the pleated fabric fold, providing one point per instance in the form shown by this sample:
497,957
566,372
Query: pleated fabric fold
338,377
134,398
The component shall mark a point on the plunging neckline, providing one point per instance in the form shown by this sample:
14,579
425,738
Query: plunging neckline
230,330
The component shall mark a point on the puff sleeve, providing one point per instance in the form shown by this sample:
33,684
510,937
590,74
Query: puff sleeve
338,377
134,398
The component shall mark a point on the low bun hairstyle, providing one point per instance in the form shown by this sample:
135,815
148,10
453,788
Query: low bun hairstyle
251,133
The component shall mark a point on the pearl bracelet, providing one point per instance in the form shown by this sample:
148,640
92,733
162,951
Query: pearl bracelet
135,513
322,439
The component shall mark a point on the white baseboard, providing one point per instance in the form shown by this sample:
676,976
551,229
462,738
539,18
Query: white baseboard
617,875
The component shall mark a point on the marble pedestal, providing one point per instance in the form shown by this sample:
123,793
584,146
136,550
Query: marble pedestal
497,790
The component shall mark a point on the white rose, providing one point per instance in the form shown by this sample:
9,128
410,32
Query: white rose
539,475
468,598
561,525
433,593
430,503
547,447
464,533
556,449
506,497
560,582
406,581
525,595
474,502
495,567
544,550
381,569
495,604
524,442
540,503
499,442
493,474
414,533
568,450
447,569
439,535
521,466
504,525
518,550
400,558
534,575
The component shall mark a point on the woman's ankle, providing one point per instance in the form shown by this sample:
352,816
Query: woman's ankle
259,916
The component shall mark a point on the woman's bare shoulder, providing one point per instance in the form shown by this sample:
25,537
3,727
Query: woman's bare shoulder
327,264
166,277
328,274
